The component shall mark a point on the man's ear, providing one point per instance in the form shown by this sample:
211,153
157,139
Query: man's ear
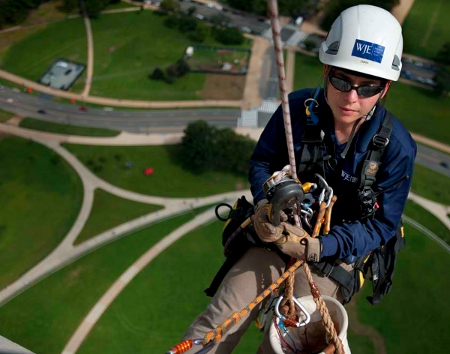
386,88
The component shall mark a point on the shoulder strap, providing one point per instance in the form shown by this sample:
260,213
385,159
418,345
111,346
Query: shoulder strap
376,149
366,195
311,159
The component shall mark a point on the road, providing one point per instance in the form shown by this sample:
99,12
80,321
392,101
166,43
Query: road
133,121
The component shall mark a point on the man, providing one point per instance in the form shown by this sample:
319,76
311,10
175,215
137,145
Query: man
361,57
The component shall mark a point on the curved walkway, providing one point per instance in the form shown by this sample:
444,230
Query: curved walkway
66,252
90,53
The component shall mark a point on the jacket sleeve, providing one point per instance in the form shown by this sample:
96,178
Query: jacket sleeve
360,237
269,155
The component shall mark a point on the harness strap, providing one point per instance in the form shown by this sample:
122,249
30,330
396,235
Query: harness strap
343,277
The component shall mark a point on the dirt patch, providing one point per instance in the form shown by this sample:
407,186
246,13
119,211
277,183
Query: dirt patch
219,87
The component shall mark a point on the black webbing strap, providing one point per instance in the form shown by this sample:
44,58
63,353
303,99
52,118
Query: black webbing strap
376,149
346,279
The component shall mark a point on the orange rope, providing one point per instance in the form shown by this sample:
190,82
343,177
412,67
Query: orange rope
216,334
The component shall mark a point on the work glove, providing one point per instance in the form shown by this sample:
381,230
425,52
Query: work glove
296,243
266,231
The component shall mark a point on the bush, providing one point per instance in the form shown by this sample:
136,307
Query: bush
157,74
171,22
228,35
187,24
206,148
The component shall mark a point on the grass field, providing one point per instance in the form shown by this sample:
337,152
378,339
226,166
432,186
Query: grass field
420,110
109,211
57,128
40,196
43,318
128,47
426,28
32,56
5,116
413,317
168,179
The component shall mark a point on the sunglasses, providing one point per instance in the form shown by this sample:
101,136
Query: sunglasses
362,91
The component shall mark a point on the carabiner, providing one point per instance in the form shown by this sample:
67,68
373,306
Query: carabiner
306,313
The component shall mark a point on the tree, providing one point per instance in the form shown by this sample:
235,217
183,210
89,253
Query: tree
334,8
444,54
206,148
228,36
191,10
157,74
197,143
220,20
93,8
169,6
69,6
201,32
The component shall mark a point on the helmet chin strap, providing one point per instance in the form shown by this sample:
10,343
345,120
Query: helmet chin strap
352,133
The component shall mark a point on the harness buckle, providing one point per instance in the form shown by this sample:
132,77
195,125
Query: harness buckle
326,269
379,142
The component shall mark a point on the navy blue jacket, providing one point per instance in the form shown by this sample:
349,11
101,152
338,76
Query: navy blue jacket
358,237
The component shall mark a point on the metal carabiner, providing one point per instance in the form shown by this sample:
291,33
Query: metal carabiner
306,313
206,348
329,196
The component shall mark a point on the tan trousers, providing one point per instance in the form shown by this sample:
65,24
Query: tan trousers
253,273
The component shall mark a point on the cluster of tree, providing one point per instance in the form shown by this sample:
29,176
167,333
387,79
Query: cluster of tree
206,148
195,30
292,8
334,8
198,31
442,77
15,11
92,7
178,69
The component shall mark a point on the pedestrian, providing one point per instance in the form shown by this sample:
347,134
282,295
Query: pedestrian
361,57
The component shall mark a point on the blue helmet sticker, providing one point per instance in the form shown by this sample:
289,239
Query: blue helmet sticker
368,50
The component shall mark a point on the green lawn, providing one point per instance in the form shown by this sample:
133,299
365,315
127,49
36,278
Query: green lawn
413,317
168,179
57,128
32,56
40,195
426,28
43,318
129,46
5,116
420,110
431,185
109,211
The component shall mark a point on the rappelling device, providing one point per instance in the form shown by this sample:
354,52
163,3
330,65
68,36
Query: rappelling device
283,192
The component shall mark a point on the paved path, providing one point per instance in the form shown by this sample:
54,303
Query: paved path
90,53
66,252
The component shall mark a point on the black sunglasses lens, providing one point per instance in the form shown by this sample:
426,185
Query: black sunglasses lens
340,84
368,91
363,91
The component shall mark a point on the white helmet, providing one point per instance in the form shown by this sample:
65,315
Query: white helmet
366,39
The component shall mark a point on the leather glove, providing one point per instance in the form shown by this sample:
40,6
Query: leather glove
298,244
266,231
